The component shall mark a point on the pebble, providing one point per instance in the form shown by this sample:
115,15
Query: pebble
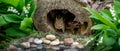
46,41
37,41
62,46
67,44
40,46
25,44
31,39
55,47
33,45
55,42
12,48
68,41
43,39
75,43
51,37
80,46
61,42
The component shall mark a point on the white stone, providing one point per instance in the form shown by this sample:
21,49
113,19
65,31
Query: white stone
12,47
55,42
80,46
37,41
61,42
46,41
51,37
75,43
25,44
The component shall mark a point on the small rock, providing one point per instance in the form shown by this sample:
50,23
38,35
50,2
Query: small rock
33,45
80,46
75,43
68,41
61,42
37,41
46,41
55,47
12,48
62,46
43,39
25,44
31,39
55,42
40,46
51,37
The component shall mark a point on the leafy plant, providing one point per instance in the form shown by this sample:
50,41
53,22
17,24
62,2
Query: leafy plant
107,28
16,18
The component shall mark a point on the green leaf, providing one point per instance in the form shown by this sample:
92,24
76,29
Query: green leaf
106,48
108,41
94,17
27,1
111,32
102,19
119,41
26,25
119,30
117,8
100,27
11,2
96,21
4,8
2,21
107,14
98,48
21,5
13,32
33,8
12,18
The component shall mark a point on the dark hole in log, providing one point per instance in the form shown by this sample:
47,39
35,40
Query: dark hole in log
60,13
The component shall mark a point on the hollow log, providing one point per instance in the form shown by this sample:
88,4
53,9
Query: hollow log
69,10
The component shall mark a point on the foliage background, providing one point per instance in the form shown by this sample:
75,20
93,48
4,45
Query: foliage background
16,19
107,35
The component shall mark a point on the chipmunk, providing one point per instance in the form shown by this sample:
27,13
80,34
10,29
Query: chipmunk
59,23
73,26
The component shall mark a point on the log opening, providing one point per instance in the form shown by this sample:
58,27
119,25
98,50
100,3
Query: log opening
58,19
